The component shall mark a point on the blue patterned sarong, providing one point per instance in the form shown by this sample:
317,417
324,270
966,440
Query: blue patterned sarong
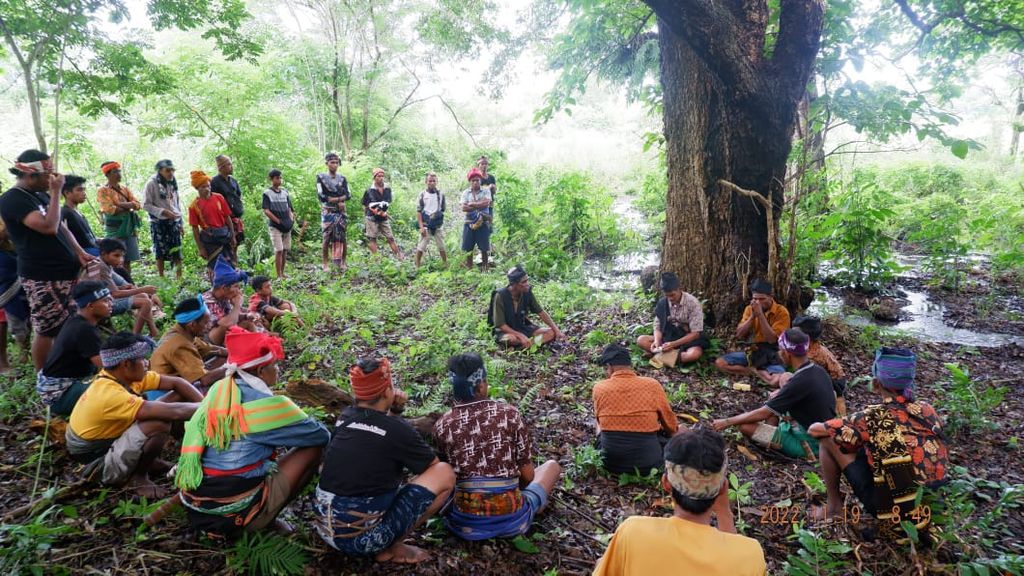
477,526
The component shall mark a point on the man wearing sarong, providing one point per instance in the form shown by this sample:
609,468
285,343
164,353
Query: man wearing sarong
49,257
362,507
696,470
75,356
227,186
508,314
224,302
332,191
376,201
114,428
678,326
14,310
782,423
229,475
184,352
763,322
119,207
820,355
161,201
210,218
498,490
634,417
886,451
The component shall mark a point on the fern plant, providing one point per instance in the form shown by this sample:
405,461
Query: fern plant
817,556
262,554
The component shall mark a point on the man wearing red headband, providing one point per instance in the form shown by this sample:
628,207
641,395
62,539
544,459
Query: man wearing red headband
227,473
362,508
119,207
476,231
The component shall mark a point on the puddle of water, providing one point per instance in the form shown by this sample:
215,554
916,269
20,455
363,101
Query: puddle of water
622,273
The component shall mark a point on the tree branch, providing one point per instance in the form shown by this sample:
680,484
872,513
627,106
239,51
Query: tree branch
800,24
773,256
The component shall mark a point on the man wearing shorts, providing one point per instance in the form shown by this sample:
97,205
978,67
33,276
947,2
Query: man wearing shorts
763,322
114,428
476,231
499,491
49,258
376,201
277,206
362,506
120,212
782,423
509,309
430,215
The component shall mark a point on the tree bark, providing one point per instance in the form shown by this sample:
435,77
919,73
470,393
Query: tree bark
729,113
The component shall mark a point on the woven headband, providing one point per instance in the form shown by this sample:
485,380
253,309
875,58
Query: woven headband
141,349
36,167
795,349
463,386
694,483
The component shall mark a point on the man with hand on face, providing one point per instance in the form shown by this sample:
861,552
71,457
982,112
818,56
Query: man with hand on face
764,320
49,257
508,314
119,206
210,219
224,301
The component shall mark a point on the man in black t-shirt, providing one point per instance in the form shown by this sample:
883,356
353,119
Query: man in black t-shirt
49,257
782,423
361,505
74,195
226,185
376,201
75,356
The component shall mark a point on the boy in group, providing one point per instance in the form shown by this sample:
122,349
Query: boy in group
75,355
362,508
634,417
782,423
822,356
210,218
112,426
888,450
277,206
224,301
74,195
476,231
119,206
678,326
696,470
183,351
498,490
229,478
430,215
332,191
126,296
763,322
508,314
264,303
487,180
376,201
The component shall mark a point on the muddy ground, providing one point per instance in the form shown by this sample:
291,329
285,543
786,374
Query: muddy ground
570,535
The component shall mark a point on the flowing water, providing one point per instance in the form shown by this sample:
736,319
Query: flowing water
622,273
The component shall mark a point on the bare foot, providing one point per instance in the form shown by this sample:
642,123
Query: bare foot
144,487
402,553
824,513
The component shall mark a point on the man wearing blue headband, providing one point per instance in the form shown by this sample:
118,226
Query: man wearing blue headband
183,352
75,356
498,490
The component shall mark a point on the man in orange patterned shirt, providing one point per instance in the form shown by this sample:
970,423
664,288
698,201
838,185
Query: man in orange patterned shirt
119,208
634,418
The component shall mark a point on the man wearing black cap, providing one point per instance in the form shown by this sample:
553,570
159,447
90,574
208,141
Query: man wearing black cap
678,324
634,417
696,470
509,307
764,320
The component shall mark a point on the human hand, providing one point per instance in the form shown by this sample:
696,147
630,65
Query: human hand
524,340
721,504
84,258
56,184
203,254
423,231
720,424
559,335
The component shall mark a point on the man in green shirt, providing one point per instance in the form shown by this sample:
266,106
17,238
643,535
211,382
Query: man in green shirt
509,309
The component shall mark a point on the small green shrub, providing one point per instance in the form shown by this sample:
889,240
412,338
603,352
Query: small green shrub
817,556
260,553
968,403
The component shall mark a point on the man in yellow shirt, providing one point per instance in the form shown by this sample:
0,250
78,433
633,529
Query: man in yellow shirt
763,321
114,428
696,467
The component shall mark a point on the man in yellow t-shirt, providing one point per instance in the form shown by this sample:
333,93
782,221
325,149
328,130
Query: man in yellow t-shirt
114,428
763,321
696,467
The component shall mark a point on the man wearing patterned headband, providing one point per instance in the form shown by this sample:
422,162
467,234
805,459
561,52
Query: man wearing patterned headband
508,314
183,350
476,230
696,470
120,212
782,423
49,257
899,441
229,477
499,491
75,355
362,507
115,429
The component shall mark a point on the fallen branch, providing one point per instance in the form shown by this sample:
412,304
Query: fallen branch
593,520
31,507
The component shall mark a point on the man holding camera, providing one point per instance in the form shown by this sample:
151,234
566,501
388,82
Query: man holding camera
376,201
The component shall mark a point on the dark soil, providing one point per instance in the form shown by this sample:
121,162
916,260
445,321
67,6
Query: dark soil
570,534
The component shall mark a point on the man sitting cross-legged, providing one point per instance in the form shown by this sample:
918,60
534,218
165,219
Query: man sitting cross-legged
900,442
362,508
227,475
696,467
498,490
634,418
678,326
183,352
782,423
114,427
127,296
264,302
762,323
75,355
508,314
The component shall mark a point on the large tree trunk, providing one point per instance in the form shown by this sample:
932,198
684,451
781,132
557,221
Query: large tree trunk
729,116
